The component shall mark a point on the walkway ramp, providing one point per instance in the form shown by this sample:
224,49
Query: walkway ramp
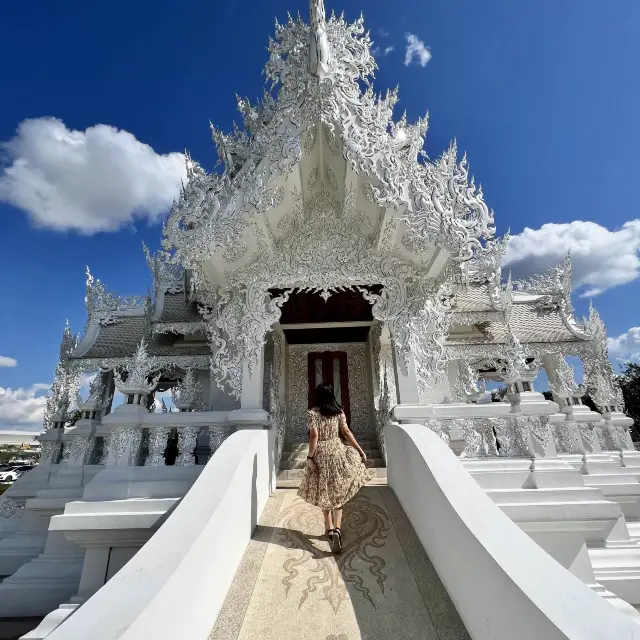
290,586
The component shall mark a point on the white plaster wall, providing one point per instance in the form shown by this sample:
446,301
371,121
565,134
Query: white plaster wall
502,583
175,585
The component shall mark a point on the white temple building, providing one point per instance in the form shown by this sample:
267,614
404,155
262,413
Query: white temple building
328,247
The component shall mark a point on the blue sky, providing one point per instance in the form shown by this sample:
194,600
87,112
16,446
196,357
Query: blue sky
543,96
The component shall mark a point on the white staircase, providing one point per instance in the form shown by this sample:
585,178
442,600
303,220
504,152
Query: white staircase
294,460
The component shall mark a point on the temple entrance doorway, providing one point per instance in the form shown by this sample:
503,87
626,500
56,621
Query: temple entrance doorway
328,341
329,367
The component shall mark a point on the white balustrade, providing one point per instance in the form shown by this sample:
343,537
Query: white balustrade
157,446
187,438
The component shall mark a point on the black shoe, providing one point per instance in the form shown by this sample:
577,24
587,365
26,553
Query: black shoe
337,538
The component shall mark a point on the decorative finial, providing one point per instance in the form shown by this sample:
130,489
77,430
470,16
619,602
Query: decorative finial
516,367
319,50
186,393
142,373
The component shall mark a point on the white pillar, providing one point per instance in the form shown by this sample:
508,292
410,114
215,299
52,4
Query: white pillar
406,382
252,383
251,414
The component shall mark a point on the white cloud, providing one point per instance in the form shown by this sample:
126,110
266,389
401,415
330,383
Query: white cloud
6,361
168,400
417,51
85,380
383,32
86,181
377,51
626,347
23,408
601,259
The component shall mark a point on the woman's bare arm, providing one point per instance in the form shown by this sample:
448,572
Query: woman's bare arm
313,441
349,437
313,435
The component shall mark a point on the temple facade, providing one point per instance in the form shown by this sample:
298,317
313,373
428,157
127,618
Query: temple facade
327,246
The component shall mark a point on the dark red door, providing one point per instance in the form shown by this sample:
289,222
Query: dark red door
330,367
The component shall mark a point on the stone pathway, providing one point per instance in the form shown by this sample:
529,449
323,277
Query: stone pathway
289,585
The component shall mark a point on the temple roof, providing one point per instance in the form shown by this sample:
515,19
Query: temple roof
472,298
120,340
176,309
321,162
528,324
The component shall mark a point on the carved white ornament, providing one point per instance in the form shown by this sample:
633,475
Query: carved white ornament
316,73
599,376
515,367
359,392
468,386
554,289
62,397
168,277
186,393
565,385
104,307
142,372
97,398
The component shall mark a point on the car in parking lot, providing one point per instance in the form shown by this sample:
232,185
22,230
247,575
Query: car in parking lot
9,476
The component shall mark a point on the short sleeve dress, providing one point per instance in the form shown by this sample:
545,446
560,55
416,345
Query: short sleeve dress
338,472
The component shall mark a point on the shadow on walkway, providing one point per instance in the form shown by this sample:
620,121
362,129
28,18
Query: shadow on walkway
381,586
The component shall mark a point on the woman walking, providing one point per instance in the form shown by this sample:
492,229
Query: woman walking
335,471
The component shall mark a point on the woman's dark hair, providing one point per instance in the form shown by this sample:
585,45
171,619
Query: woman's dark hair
326,401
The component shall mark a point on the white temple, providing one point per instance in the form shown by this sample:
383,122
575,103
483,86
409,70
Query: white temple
328,246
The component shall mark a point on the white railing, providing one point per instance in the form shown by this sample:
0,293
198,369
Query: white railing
519,435
502,583
175,585
169,439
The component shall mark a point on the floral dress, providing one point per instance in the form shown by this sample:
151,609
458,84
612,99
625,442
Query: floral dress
338,472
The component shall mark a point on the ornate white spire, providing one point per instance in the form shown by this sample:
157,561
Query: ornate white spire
599,376
319,49
95,400
468,386
516,366
187,392
140,374
64,388
565,386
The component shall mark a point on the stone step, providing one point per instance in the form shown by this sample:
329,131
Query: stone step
301,456
290,478
294,484
300,464
303,446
